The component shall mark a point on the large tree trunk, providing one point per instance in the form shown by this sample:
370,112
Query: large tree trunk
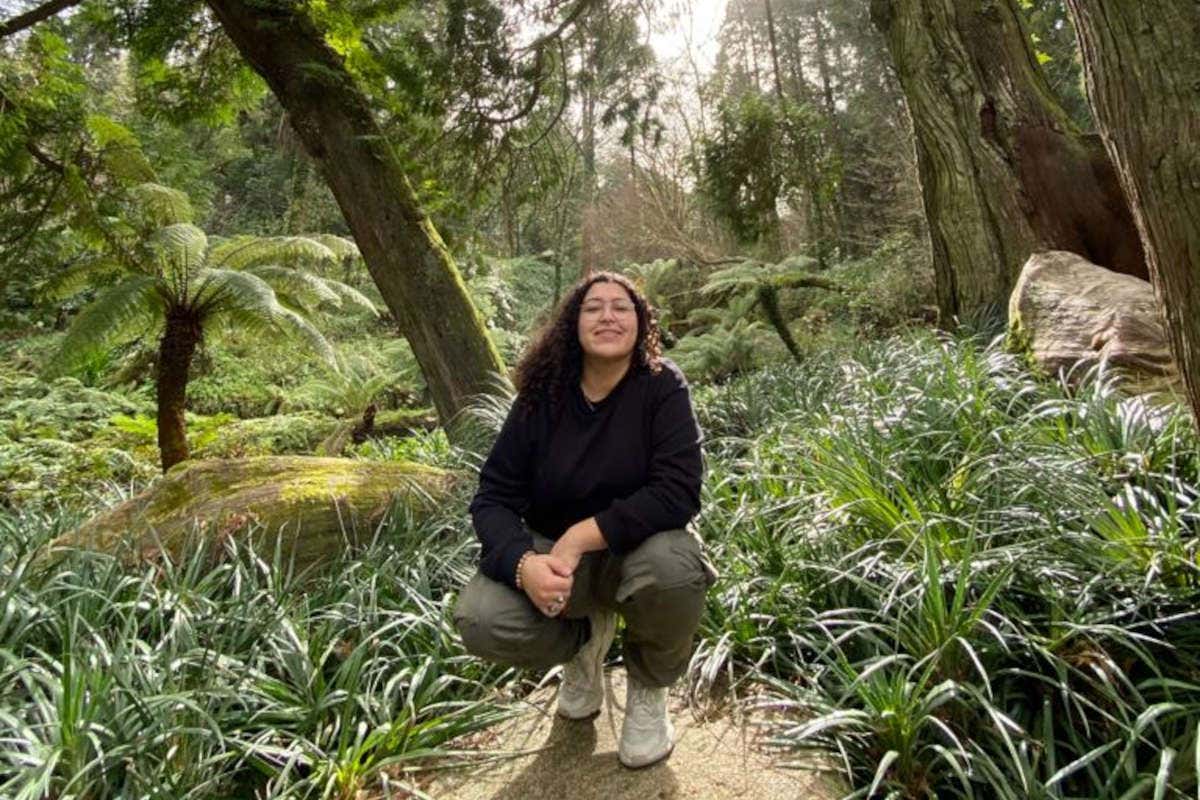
405,255
1003,170
1142,61
175,351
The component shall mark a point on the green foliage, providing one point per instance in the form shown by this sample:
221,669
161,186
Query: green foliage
54,449
521,290
959,581
765,151
723,351
356,385
1057,49
888,288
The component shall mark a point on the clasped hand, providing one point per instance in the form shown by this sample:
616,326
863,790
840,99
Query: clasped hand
548,579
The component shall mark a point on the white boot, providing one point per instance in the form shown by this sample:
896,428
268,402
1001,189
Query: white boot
582,691
647,735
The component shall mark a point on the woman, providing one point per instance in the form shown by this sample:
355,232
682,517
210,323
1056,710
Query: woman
581,509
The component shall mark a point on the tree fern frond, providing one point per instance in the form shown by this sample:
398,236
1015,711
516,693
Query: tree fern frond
302,288
117,314
160,205
218,291
291,322
721,352
350,295
341,247
705,317
86,274
178,252
242,252
246,300
733,279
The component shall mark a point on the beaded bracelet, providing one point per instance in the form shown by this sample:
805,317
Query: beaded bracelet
520,564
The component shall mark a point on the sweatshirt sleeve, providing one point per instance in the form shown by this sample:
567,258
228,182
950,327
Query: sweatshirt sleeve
503,497
671,495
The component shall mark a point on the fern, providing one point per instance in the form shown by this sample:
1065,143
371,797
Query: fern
722,352
120,151
242,252
157,205
119,313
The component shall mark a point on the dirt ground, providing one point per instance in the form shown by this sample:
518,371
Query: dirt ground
713,759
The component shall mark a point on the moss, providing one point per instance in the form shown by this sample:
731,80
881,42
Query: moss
308,504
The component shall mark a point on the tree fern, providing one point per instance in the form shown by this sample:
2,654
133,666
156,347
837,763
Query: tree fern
751,284
181,287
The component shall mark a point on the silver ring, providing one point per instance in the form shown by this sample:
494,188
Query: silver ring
558,601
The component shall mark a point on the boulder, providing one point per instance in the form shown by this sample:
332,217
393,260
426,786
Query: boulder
313,507
1070,314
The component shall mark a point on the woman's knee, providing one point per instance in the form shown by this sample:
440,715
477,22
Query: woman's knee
667,561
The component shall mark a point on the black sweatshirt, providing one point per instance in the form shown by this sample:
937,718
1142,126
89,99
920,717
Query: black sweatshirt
631,460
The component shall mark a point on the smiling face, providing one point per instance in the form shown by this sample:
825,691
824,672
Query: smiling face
608,324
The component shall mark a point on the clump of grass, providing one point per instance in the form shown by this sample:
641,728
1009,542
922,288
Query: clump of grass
188,680
964,582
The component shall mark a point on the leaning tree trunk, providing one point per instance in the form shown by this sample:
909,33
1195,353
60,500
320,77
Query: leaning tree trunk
768,298
1142,61
1003,170
175,351
405,255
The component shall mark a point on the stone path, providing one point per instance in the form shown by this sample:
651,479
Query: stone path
713,760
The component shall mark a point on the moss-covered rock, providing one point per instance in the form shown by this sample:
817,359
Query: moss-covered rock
313,507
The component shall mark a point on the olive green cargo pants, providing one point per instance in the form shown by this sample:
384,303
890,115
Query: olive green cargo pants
658,588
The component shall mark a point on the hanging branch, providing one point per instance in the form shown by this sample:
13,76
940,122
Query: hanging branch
34,16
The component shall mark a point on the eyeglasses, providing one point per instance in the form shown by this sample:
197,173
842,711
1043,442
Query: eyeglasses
596,307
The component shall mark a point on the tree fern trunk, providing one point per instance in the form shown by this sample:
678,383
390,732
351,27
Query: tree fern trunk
1003,170
1142,61
768,298
175,352
405,255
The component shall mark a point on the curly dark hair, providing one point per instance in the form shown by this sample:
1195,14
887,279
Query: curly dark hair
554,361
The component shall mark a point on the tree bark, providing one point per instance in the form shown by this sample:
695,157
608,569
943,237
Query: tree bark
1142,62
34,16
1003,170
834,137
175,351
768,298
404,253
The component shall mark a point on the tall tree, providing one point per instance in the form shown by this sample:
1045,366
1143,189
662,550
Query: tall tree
1142,62
1004,171
615,81
404,253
